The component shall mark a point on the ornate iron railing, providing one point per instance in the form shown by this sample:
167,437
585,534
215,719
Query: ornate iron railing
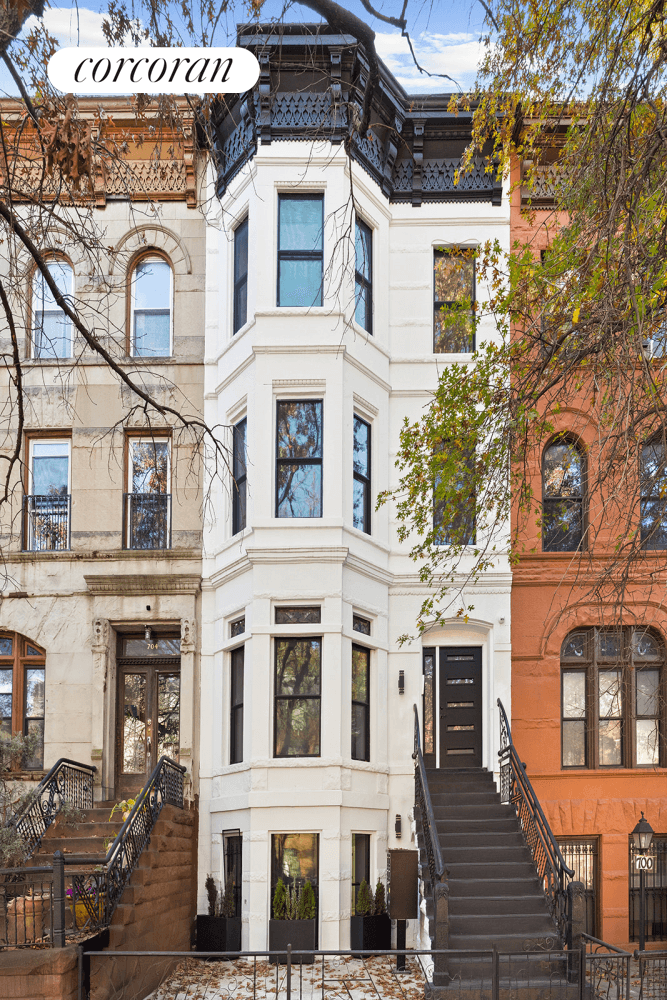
46,523
147,520
67,781
436,865
516,789
652,974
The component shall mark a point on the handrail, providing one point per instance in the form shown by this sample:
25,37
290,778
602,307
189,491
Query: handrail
164,787
516,790
436,865
67,781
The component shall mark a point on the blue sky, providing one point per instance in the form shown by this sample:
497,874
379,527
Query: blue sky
445,35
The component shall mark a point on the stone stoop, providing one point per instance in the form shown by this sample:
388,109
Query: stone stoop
39,974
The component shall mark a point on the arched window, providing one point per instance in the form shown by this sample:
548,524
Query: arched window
22,677
562,497
151,300
51,328
612,698
653,504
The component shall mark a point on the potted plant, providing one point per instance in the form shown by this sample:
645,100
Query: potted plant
220,929
294,922
370,928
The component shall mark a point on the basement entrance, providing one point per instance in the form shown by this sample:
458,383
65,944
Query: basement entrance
148,708
460,717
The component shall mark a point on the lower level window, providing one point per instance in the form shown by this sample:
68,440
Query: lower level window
361,865
297,698
22,677
655,893
582,857
295,861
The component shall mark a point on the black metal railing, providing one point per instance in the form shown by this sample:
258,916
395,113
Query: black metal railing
147,520
436,867
46,523
516,789
83,891
607,970
67,782
652,974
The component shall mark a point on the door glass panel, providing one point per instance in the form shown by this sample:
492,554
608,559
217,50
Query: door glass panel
168,715
429,728
135,729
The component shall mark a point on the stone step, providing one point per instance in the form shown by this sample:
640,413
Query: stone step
497,869
469,797
518,944
481,853
527,924
480,839
471,811
476,886
506,824
500,905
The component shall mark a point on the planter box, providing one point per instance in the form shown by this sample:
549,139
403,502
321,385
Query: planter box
218,933
370,933
299,933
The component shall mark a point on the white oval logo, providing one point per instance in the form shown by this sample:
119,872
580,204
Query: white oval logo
143,70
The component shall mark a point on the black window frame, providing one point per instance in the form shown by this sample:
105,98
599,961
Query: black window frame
364,480
240,469
630,666
440,304
582,854
301,254
240,277
564,501
363,286
236,699
313,461
365,706
278,641
361,866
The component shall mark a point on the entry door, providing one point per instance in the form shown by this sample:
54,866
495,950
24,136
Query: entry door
148,722
461,707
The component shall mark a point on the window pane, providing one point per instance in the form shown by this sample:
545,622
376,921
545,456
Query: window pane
51,327
562,475
300,224
648,690
50,467
361,867
151,334
654,523
298,616
362,434
6,683
300,283
609,645
6,646
237,627
561,525
360,624
152,285
299,490
610,750
298,666
150,466
169,714
574,646
645,646
300,429
648,742
362,308
653,472
609,682
574,744
297,727
360,658
453,330
359,732
34,730
362,250
574,695
240,431
34,693
134,724
294,858
241,251
359,491
454,277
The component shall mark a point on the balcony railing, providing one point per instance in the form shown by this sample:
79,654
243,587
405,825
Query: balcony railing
147,520
46,523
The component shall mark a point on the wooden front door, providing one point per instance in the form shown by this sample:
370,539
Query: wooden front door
461,706
148,714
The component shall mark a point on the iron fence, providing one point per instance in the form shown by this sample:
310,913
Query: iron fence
147,520
582,857
652,974
331,975
607,970
46,523
655,894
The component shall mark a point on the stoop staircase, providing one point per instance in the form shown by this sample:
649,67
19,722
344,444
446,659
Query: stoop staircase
494,894
93,835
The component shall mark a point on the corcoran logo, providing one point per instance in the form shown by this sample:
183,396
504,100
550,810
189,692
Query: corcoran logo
102,70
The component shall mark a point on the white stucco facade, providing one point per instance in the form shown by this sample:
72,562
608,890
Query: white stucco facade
321,354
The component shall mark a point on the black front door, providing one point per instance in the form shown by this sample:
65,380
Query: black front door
461,706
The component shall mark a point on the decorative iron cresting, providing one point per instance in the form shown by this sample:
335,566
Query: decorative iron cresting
67,782
517,791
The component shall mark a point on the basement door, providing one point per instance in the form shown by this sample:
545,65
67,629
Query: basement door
148,714
461,706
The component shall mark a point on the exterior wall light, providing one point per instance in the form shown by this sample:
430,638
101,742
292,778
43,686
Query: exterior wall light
401,681
397,826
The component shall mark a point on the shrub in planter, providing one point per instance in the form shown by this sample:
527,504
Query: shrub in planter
294,922
219,930
370,929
